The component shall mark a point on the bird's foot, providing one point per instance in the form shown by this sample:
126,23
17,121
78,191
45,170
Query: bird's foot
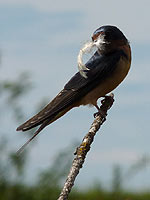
102,110
101,113
96,114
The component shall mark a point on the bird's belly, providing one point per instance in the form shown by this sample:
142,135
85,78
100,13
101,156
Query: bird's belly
108,84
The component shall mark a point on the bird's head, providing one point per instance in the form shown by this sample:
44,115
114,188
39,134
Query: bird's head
108,38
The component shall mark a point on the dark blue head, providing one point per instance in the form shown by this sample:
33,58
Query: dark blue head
109,33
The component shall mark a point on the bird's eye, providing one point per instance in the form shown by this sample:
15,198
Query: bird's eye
95,36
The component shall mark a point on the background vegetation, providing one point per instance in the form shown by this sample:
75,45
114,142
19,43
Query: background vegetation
49,182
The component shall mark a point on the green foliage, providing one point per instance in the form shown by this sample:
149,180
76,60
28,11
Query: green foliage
50,180
11,91
16,88
117,179
58,170
18,162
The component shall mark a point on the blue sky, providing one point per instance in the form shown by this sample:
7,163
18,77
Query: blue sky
44,38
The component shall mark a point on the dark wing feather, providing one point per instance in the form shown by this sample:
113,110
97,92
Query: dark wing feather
57,104
100,67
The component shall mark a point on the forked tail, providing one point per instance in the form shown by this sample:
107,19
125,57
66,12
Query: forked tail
35,134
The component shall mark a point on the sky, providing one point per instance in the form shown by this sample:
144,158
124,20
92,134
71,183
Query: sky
44,39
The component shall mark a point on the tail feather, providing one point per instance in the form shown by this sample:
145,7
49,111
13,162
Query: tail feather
44,124
61,102
35,134
24,127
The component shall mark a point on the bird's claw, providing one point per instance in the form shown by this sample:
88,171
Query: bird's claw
96,114
101,113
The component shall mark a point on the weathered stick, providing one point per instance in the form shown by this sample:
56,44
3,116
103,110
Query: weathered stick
84,147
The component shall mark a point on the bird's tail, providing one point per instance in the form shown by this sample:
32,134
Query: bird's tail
35,134
43,125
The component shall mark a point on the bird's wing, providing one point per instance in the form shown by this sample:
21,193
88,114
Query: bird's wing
48,112
100,67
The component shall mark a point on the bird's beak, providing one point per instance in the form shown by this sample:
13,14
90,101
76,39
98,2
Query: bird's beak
99,40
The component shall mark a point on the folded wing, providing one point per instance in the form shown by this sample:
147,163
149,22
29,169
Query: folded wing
100,68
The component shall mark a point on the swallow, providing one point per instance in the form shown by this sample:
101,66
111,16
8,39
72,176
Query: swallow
104,71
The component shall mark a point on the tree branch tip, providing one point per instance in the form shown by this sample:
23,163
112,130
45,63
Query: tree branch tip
85,146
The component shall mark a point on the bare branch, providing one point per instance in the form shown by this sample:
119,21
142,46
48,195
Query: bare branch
85,146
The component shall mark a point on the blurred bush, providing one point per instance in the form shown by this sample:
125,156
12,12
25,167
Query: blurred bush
47,185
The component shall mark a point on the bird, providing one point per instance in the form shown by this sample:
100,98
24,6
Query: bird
102,73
